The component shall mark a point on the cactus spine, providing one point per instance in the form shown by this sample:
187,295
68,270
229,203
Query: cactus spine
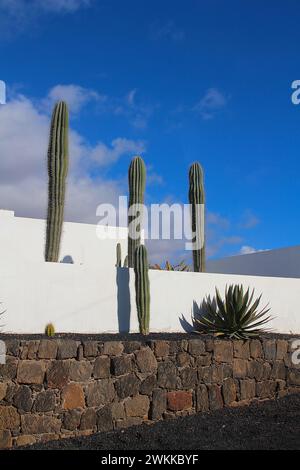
197,201
137,182
142,288
58,160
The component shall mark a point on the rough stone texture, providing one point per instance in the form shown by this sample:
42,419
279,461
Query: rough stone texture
31,372
72,420
45,401
215,397
5,439
102,367
223,351
179,400
90,348
47,349
80,371
72,397
8,371
58,374
137,406
57,388
23,398
229,391
159,404
104,419
247,389
161,348
282,349
127,386
256,350
100,393
239,368
36,424
67,349
188,378
167,375
9,418
202,402
270,349
146,360
148,385
196,347
241,349
3,389
88,419
121,365
113,348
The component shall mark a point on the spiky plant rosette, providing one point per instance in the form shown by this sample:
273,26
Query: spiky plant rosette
237,316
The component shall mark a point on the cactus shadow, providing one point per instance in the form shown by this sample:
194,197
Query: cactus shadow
197,312
123,299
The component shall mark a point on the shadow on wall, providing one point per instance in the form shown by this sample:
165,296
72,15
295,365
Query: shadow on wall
123,300
197,312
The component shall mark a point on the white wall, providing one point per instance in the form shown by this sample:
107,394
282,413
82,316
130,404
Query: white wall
92,296
282,262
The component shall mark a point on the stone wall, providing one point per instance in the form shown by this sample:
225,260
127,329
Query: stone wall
58,388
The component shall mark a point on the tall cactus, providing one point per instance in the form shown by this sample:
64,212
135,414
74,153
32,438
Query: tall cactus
119,255
142,288
137,182
197,201
58,161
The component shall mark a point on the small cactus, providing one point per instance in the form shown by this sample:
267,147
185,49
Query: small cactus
58,161
50,330
142,288
137,182
197,201
125,265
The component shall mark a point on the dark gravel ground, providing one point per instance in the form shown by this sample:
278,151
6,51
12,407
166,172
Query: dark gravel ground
131,336
267,425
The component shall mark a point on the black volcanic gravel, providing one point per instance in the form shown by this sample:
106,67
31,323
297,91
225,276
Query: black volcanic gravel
266,425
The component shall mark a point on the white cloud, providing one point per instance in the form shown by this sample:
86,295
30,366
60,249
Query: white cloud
76,96
247,250
105,155
24,132
249,220
211,103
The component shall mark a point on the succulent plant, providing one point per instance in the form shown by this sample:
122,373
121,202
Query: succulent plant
237,316
142,288
137,182
58,161
50,330
197,201
182,266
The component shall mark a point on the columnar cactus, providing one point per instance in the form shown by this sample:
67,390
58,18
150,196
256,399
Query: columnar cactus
119,255
58,161
197,201
142,288
137,182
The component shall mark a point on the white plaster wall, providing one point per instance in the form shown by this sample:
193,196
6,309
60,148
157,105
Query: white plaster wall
282,262
93,296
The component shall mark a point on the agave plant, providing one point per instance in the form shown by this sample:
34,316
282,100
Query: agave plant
238,316
171,267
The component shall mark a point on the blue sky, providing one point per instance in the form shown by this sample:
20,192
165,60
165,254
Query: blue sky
176,81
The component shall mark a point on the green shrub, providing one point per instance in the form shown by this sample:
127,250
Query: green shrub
237,316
